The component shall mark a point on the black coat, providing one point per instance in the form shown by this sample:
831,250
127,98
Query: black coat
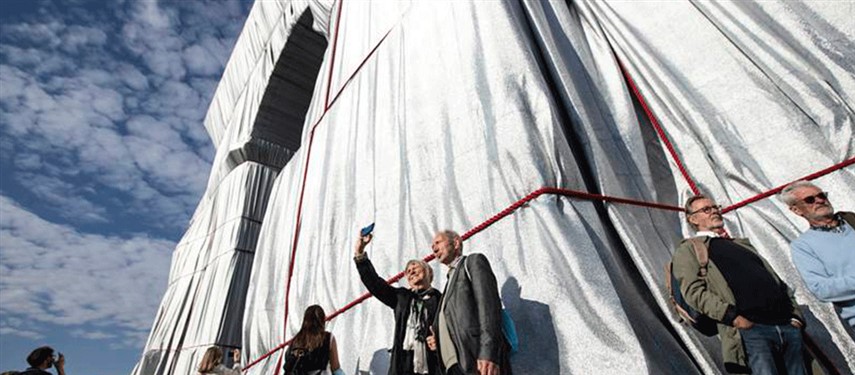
399,299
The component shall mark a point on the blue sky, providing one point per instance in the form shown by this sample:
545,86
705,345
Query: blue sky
103,158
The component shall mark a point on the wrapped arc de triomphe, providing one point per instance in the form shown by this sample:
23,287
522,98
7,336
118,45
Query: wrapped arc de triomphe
597,117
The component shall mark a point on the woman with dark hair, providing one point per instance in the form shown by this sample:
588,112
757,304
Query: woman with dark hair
415,308
313,348
212,362
41,359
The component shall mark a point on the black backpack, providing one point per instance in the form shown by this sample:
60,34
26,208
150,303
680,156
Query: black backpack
686,313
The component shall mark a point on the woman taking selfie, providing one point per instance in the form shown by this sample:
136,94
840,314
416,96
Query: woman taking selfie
415,308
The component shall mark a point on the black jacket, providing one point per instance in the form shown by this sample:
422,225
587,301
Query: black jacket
473,312
399,299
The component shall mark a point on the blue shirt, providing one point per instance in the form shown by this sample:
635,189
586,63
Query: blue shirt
826,261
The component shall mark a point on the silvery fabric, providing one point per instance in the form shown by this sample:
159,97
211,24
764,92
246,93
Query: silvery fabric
423,116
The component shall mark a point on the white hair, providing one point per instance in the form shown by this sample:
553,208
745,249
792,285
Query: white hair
424,266
787,195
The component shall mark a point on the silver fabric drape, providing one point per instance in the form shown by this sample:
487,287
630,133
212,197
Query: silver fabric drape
426,116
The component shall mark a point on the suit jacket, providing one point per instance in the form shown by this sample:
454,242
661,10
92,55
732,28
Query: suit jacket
473,312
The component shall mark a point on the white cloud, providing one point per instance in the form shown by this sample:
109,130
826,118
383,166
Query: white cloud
132,77
201,61
92,334
25,333
78,122
77,37
96,280
44,33
68,200
101,120
151,15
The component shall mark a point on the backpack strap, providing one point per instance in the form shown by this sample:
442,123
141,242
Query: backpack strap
668,285
702,254
466,268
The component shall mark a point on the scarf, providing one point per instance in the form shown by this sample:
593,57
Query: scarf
417,331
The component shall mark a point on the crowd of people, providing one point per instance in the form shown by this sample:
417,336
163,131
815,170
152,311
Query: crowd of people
759,322
459,330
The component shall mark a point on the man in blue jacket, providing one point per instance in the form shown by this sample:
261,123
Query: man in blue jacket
825,253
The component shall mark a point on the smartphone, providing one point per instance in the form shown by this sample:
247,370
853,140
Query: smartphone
367,230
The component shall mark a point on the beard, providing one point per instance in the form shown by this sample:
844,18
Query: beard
823,212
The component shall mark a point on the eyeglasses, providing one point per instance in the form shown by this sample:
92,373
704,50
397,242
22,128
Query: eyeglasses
811,199
707,210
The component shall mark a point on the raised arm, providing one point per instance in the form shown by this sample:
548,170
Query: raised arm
375,284
60,365
236,358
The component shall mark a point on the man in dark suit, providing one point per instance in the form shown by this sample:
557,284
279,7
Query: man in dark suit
468,329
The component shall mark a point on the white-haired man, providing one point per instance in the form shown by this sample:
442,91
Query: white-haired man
825,253
468,328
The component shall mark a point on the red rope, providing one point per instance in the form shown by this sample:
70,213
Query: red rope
298,224
332,59
510,209
664,138
478,228
652,118
778,189
305,174
296,239
567,193
358,68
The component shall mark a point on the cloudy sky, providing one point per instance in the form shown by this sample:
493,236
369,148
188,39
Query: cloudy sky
103,158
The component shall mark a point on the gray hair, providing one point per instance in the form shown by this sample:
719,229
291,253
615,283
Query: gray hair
451,236
787,195
425,266
687,207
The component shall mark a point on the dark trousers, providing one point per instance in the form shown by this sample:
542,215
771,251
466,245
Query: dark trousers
454,370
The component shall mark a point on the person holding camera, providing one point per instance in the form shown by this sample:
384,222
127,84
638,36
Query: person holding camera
212,362
415,308
41,359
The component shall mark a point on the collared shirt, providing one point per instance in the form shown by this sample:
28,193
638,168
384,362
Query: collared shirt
453,266
839,228
447,351
707,233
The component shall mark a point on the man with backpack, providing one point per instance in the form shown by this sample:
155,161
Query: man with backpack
467,332
759,322
825,253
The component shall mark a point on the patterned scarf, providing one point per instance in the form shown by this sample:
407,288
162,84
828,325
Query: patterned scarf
416,332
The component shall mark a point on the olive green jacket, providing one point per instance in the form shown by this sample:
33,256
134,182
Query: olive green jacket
711,296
